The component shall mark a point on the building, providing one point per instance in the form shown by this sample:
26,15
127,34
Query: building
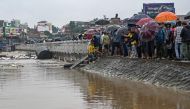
116,20
1,23
65,29
15,23
153,9
13,28
43,26
24,27
181,17
187,16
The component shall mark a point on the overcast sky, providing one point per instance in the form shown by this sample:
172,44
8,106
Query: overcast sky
60,12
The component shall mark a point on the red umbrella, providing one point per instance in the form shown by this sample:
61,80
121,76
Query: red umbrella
144,21
91,31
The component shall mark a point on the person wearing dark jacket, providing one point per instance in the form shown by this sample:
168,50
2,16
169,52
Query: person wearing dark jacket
160,41
185,35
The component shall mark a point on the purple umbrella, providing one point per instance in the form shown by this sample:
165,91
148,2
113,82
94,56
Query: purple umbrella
148,31
152,26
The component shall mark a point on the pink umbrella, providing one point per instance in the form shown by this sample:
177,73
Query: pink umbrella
143,21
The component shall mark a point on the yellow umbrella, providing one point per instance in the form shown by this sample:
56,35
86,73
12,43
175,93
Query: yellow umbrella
166,17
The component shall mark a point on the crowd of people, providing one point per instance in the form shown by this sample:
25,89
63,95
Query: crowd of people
169,42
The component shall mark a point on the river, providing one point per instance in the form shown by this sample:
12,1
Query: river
46,85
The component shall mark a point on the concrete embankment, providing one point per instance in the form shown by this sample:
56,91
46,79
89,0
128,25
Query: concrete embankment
161,73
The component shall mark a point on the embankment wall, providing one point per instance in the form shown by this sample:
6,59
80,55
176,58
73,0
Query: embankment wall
157,72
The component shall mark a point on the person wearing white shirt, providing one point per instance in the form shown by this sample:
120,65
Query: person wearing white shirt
178,43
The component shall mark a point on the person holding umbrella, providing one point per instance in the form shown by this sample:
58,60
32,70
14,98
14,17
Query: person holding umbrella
148,33
116,43
123,33
133,40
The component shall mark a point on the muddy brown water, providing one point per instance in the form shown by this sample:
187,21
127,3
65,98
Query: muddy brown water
45,85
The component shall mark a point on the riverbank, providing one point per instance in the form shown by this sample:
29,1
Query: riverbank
161,73
17,55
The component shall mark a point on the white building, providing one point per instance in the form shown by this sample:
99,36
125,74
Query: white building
43,26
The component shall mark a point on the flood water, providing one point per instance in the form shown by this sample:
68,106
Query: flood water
45,85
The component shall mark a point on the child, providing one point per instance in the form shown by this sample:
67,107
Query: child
91,52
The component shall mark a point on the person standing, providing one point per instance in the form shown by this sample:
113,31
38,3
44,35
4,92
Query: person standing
116,39
134,43
105,43
125,43
169,41
91,51
185,35
160,41
178,43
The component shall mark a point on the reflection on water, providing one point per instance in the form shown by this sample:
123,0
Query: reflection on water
45,85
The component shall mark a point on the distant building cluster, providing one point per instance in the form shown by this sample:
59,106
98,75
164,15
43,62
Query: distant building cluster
13,28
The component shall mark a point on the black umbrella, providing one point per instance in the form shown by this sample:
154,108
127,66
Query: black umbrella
187,16
122,30
102,22
135,18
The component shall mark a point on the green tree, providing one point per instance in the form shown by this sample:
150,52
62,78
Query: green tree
47,33
55,29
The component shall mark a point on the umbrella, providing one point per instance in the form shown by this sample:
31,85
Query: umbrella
173,23
112,28
152,26
165,17
122,30
149,30
90,31
135,18
144,21
187,16
147,35
102,22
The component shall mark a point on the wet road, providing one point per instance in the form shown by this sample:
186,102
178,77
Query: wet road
45,85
